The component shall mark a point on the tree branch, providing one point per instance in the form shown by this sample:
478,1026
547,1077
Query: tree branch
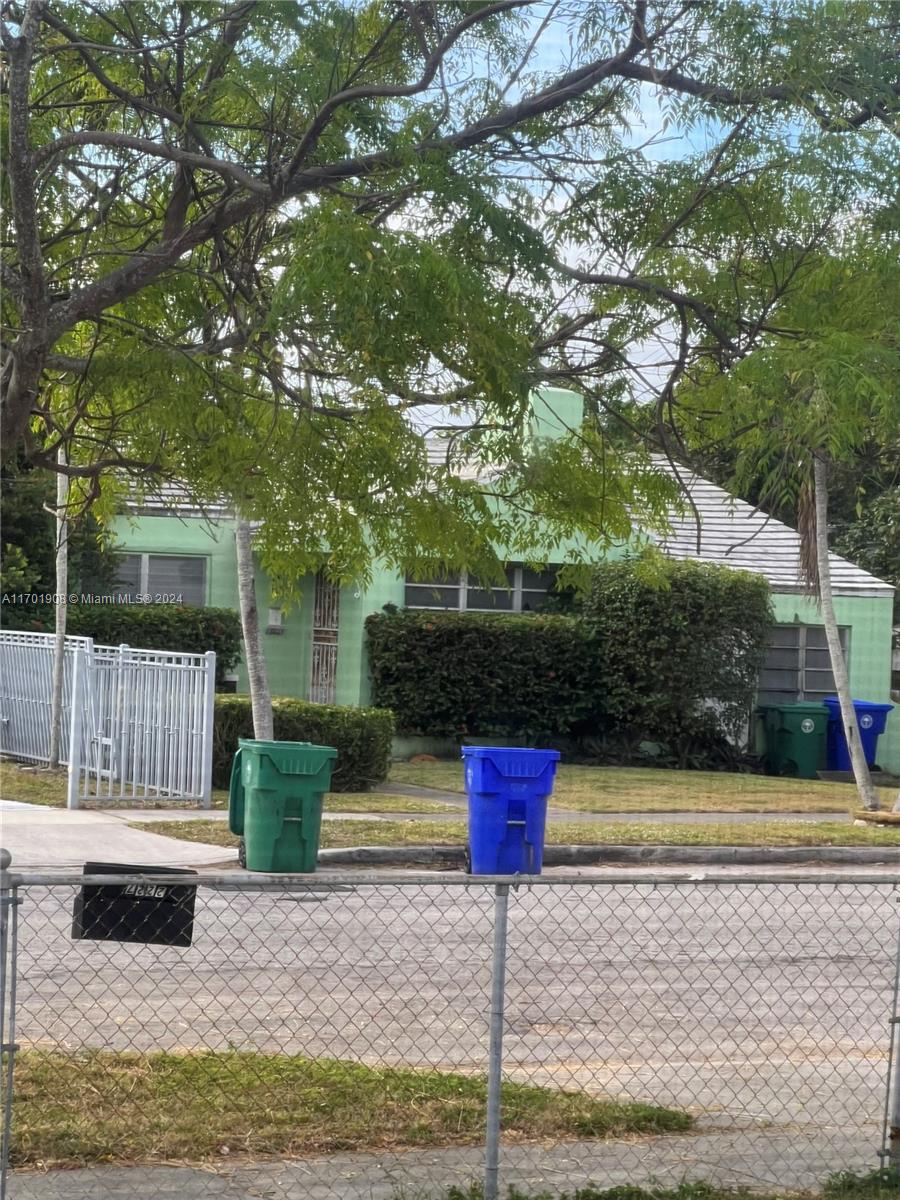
124,141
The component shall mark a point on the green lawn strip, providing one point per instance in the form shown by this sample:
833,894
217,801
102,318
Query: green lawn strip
101,1107
338,834
878,1185
649,790
42,786
378,802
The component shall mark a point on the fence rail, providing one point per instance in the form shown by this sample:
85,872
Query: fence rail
137,724
378,1035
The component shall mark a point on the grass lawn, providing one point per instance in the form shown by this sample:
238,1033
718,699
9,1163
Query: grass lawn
42,786
644,789
337,834
103,1107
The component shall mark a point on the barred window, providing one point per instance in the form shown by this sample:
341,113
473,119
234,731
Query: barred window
797,665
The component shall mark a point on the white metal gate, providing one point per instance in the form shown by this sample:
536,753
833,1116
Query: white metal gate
137,724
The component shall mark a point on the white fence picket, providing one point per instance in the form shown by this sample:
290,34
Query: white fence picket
137,724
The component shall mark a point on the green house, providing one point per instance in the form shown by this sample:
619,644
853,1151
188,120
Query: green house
316,651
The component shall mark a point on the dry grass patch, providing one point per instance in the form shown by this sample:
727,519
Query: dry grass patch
38,785
644,789
103,1107
344,834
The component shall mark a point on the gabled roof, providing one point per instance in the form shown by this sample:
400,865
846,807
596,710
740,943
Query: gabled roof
738,535
731,532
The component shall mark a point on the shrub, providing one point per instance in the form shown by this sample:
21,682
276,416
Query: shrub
179,627
362,737
676,661
452,674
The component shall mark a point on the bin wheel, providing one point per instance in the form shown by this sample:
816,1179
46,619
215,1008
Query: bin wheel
242,854
468,859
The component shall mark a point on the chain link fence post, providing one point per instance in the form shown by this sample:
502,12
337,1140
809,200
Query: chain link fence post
495,1053
8,945
890,1152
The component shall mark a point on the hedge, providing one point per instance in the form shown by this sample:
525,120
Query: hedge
676,659
179,627
452,674
362,737
673,662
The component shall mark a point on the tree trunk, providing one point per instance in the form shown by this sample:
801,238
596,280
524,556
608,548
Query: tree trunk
254,657
60,610
867,793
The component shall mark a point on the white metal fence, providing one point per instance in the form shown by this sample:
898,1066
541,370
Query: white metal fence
137,724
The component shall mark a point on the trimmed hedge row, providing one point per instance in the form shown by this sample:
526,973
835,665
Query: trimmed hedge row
362,737
454,674
679,659
180,627
671,660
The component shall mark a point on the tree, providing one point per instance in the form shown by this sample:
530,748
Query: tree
254,655
29,542
811,398
262,247
872,537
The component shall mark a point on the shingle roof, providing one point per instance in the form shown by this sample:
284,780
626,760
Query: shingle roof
175,500
738,535
731,531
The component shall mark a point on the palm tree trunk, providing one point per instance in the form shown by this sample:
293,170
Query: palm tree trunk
867,793
60,611
260,699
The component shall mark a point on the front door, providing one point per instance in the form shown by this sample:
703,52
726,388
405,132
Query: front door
326,614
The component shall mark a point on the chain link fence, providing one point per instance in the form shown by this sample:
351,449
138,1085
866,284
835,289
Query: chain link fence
341,1036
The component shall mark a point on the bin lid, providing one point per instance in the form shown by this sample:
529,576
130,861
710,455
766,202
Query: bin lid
859,705
264,747
490,751
810,706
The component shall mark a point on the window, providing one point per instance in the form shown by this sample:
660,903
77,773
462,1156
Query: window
797,665
525,591
158,575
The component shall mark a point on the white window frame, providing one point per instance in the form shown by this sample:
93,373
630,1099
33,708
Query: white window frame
461,584
144,573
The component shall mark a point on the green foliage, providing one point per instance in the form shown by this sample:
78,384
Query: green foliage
28,563
828,385
671,658
345,246
676,663
362,736
873,540
17,574
177,627
455,675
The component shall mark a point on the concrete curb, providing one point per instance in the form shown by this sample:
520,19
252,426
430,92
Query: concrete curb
584,856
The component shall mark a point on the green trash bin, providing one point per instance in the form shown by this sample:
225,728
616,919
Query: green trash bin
275,802
794,736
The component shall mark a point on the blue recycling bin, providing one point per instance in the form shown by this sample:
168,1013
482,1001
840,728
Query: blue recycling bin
507,790
871,719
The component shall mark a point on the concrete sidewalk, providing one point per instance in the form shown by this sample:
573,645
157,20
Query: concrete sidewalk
755,1158
40,837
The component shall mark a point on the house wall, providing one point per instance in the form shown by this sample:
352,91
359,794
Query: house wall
869,622
288,653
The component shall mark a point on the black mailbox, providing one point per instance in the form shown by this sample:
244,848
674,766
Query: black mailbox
156,913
